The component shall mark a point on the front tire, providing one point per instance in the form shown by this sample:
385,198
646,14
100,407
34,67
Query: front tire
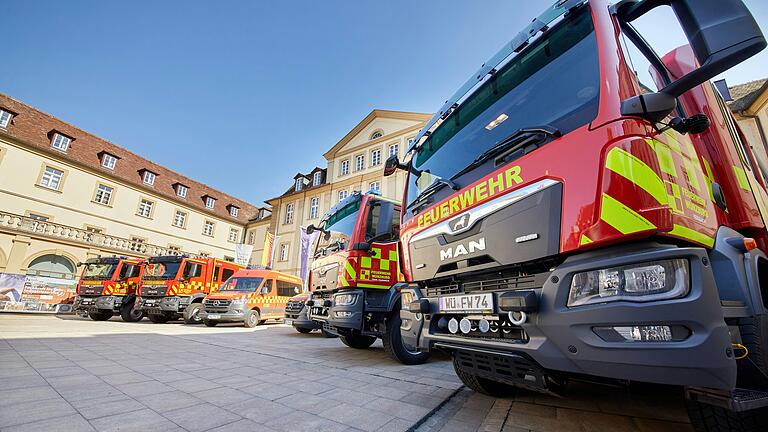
394,346
303,330
357,341
192,314
158,318
710,418
100,315
129,313
209,323
483,385
252,318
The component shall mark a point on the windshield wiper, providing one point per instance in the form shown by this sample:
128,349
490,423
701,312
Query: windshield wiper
512,142
438,184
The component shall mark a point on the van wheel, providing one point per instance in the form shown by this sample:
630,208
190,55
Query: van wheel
158,318
129,312
710,418
482,385
394,346
357,341
192,314
100,315
209,323
252,318
303,330
754,336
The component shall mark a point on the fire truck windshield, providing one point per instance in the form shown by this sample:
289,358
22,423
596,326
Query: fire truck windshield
247,284
162,270
339,227
95,271
553,82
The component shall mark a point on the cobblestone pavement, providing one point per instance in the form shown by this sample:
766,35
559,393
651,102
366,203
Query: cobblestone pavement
69,373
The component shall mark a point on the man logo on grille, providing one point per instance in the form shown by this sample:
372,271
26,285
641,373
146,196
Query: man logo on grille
460,223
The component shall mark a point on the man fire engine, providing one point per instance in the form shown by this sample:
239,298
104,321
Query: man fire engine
174,286
354,277
564,217
108,285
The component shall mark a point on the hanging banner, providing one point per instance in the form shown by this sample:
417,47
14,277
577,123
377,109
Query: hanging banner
266,254
20,293
307,243
243,254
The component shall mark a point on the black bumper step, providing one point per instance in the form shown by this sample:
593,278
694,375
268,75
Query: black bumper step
738,400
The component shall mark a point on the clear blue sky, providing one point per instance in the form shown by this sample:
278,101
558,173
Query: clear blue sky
222,91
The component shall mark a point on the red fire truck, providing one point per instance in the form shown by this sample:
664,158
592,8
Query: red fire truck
174,286
567,216
355,279
107,286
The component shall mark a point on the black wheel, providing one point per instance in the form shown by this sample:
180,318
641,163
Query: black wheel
482,385
357,341
394,346
328,334
710,418
303,330
209,323
100,315
192,314
129,313
252,318
158,318
754,336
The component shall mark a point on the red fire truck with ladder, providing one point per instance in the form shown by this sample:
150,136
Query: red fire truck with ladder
584,207
355,278
108,286
174,286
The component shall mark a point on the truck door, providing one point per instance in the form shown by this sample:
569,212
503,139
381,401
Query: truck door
381,269
266,298
193,278
285,290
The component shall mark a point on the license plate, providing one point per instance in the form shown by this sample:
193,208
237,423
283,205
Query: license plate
289,322
467,303
214,316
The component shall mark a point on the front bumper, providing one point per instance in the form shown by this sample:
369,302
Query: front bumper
332,316
232,312
91,304
563,339
301,320
162,304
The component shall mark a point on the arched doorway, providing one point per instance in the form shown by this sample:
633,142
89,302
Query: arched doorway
55,266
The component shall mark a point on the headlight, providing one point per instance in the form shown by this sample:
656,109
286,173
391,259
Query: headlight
655,280
344,299
406,297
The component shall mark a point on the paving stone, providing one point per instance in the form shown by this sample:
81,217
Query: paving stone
260,410
223,396
144,420
103,407
349,396
27,412
243,425
30,394
70,423
357,417
300,421
201,417
193,385
308,402
144,388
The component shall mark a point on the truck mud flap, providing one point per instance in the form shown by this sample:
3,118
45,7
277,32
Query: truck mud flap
509,368
738,400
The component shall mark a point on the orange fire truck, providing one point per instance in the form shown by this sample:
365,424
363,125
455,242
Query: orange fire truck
585,207
355,278
108,285
174,286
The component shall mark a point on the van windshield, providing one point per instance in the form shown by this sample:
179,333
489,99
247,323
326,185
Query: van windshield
246,284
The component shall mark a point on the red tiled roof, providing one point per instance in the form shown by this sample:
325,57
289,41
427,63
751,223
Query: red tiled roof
33,128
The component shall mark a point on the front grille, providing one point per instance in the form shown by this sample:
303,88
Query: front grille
294,307
153,290
215,305
322,295
442,290
508,283
91,290
510,368
500,328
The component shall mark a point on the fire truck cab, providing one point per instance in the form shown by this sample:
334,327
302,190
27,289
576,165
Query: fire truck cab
174,286
107,286
565,217
355,278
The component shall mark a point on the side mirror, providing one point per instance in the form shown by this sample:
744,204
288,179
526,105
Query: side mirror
393,164
722,34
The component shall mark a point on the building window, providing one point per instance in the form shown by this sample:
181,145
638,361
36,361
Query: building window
314,207
60,142
359,162
375,157
180,219
377,134
233,211
343,194
299,184
149,178
103,194
394,149
51,178
252,237
181,191
262,214
234,234
283,255
145,208
288,214
208,228
108,161
374,186
210,202
344,169
317,178
5,118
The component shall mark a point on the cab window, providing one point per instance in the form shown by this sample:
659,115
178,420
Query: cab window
226,273
266,289
382,223
129,271
192,270
287,289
